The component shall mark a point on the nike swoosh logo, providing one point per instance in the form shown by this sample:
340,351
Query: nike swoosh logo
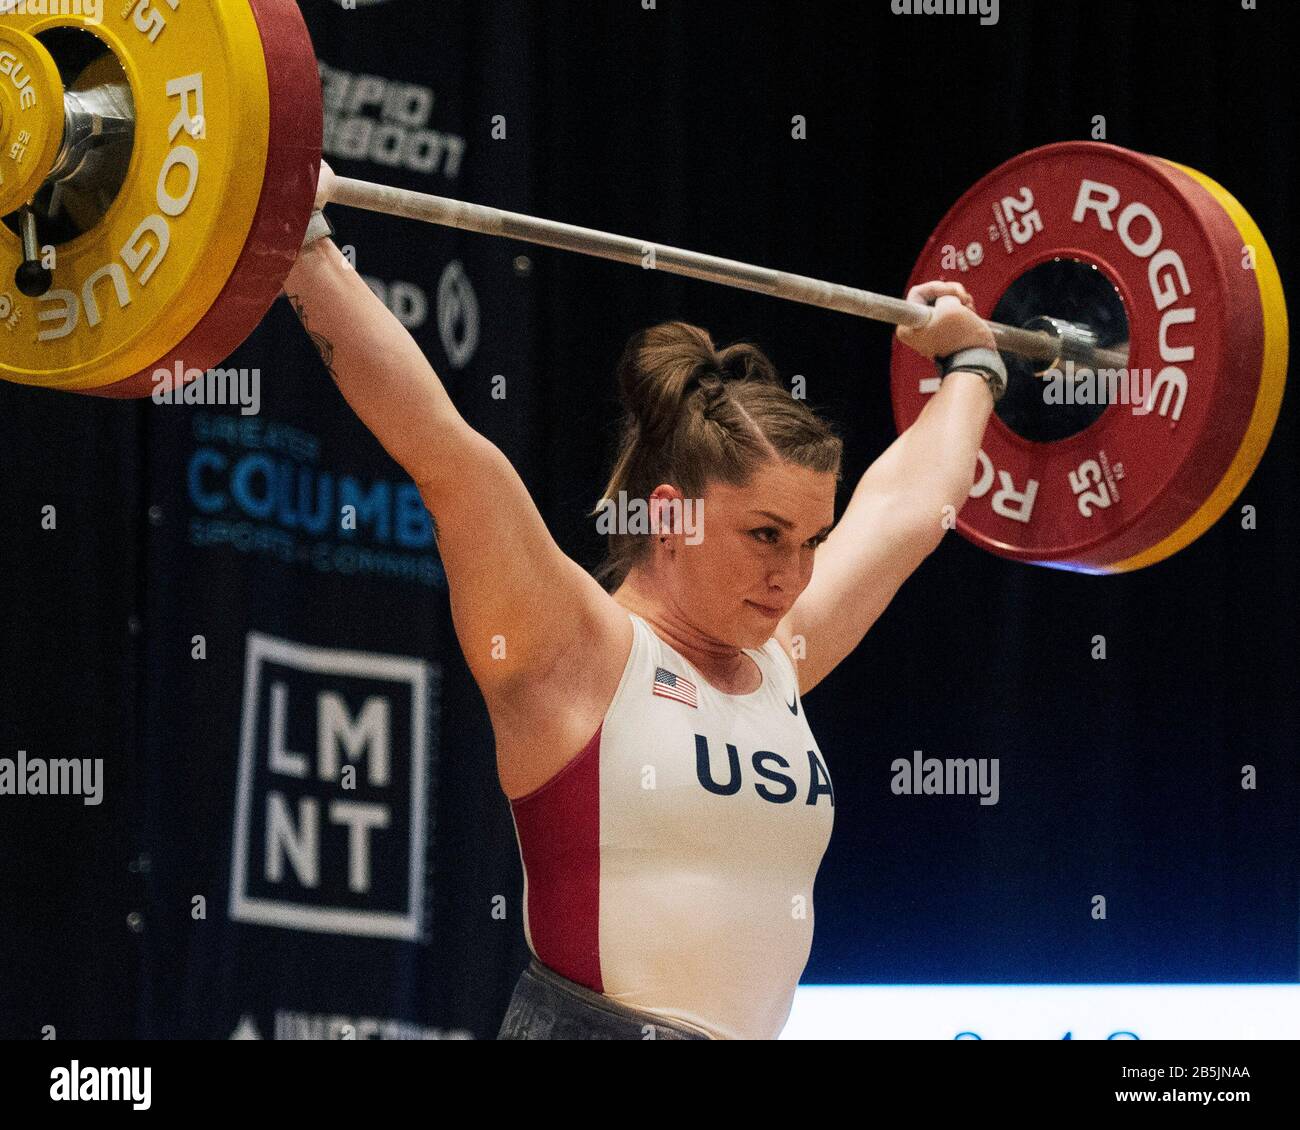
794,706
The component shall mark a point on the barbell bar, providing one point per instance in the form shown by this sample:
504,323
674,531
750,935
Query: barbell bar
1034,345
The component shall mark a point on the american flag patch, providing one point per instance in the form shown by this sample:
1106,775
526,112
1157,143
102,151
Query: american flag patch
668,685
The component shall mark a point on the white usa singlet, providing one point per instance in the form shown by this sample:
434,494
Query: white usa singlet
670,866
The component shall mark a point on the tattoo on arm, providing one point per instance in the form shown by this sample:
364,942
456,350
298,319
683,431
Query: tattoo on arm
323,347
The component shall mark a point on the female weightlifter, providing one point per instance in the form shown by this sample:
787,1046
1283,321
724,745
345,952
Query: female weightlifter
671,817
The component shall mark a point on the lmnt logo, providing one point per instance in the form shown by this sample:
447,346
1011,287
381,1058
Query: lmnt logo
331,808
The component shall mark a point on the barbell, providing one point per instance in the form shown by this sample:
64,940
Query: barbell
158,169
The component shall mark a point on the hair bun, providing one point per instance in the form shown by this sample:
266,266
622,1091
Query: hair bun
709,378
663,366
744,361
655,370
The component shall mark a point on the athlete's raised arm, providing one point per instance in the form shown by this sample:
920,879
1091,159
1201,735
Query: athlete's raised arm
901,506
518,603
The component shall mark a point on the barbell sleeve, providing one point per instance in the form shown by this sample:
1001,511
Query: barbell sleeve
1035,345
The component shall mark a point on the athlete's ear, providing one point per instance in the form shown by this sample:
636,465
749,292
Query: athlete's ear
664,505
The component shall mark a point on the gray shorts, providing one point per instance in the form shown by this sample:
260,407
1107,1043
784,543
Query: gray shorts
546,1006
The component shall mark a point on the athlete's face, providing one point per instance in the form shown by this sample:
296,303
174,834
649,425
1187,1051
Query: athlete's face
752,551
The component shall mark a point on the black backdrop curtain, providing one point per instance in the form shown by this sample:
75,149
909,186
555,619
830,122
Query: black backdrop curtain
192,903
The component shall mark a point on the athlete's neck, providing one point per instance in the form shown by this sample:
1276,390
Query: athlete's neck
721,661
